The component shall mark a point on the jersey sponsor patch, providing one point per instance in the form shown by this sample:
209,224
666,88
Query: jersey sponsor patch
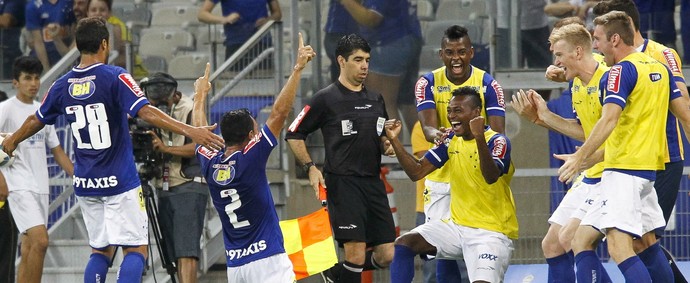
614,82
299,118
82,88
253,142
671,61
208,153
499,93
419,88
131,84
500,147
655,77
224,176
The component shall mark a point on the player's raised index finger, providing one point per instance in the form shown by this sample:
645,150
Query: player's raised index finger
208,70
301,40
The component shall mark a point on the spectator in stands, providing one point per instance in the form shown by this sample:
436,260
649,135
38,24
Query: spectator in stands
338,24
184,194
27,177
80,9
11,23
49,22
685,28
118,32
534,31
240,20
573,8
657,21
393,30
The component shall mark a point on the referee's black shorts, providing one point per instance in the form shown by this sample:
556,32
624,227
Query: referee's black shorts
359,211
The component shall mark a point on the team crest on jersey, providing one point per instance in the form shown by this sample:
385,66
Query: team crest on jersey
500,147
298,120
499,93
131,84
614,82
671,60
82,88
224,176
419,89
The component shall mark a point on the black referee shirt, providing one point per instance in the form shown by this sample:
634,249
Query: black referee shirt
352,126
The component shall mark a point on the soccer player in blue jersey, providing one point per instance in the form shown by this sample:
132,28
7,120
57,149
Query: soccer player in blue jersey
632,127
236,177
483,220
96,99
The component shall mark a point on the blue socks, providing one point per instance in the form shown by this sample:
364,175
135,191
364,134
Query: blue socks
96,268
654,259
447,271
402,267
634,271
132,268
589,268
561,268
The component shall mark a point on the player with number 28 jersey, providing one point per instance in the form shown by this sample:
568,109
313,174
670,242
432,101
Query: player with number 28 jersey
96,118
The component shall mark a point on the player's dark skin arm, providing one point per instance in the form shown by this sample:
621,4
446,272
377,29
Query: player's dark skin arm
202,136
490,170
30,127
415,168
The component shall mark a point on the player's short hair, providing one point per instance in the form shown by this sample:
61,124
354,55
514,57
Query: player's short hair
350,43
567,21
468,91
89,35
108,3
455,32
26,64
574,35
616,22
235,125
626,6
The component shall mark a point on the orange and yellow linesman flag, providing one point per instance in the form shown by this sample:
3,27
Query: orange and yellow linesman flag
309,243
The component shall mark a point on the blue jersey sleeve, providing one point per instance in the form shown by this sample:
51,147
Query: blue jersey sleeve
620,82
130,95
499,146
206,158
494,100
438,155
424,93
675,91
32,16
260,147
50,108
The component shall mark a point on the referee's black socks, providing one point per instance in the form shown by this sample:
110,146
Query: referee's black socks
351,273
369,262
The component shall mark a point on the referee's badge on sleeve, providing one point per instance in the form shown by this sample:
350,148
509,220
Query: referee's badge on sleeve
379,125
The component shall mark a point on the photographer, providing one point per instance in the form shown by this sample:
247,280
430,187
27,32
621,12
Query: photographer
183,194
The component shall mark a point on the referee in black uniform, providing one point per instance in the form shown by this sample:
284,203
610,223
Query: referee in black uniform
351,120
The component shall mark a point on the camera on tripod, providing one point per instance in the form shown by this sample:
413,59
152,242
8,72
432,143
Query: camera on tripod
149,161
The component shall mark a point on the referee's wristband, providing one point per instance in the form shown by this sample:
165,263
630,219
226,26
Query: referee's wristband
307,165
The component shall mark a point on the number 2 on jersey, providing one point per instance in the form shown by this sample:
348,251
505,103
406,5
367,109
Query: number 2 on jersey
95,118
234,204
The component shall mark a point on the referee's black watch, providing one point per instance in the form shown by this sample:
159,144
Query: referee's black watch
307,165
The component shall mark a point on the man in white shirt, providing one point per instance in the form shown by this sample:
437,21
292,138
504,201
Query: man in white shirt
27,177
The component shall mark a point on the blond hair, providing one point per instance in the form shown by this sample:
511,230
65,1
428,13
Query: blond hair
616,22
566,21
574,34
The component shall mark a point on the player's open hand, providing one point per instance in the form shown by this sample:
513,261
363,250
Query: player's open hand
555,74
571,168
316,178
304,54
477,126
393,128
524,106
205,136
202,85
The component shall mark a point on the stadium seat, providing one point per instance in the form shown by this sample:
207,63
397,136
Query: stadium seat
132,14
457,10
184,16
165,42
428,59
434,31
188,66
425,10
155,64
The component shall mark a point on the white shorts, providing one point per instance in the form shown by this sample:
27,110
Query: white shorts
576,203
29,209
486,253
276,268
436,200
627,203
116,220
